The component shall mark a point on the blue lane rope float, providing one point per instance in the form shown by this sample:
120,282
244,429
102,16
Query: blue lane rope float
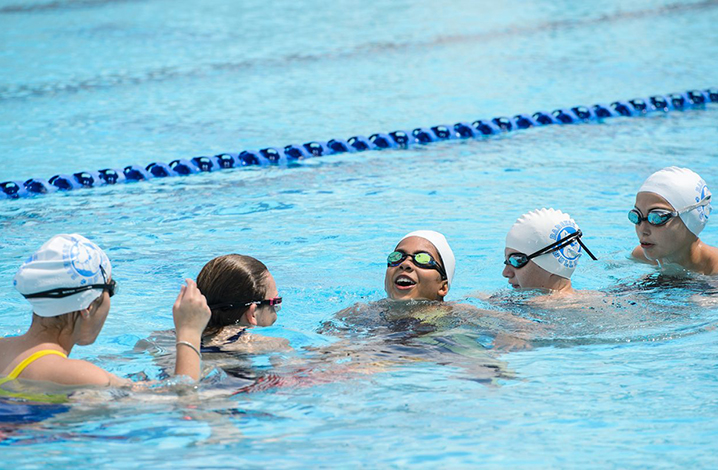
393,140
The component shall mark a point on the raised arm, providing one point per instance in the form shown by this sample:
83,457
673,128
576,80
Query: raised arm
191,314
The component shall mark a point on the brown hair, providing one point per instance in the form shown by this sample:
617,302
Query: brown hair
235,279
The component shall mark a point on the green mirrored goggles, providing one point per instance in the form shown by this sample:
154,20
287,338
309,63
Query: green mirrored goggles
421,260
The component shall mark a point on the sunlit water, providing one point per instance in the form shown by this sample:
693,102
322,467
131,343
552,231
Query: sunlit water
626,380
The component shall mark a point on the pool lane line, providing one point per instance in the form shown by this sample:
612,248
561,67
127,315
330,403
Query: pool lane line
481,128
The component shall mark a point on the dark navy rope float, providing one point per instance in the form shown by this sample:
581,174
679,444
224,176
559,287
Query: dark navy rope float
392,140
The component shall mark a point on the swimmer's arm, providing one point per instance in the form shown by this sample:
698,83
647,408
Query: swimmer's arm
640,256
258,344
75,372
191,314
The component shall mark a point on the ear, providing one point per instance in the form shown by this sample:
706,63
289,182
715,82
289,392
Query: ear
444,289
251,315
86,312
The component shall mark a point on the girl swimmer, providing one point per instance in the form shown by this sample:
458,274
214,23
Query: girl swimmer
672,208
241,293
68,282
542,251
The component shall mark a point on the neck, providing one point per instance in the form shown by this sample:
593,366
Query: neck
41,332
561,285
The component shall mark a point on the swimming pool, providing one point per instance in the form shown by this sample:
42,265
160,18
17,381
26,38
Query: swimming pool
92,84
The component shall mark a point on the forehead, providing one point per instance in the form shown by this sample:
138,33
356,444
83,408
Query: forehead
646,200
416,244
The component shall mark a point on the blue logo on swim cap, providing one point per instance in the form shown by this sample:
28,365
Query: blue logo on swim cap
569,254
703,192
85,258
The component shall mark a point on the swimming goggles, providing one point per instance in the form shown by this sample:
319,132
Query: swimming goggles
59,293
422,260
275,302
519,260
660,216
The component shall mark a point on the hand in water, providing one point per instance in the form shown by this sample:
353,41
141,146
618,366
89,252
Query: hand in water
190,311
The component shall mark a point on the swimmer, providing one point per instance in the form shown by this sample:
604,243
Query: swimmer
68,282
672,208
418,276
242,294
542,250
414,323
420,267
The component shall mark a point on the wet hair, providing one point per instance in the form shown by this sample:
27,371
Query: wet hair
235,279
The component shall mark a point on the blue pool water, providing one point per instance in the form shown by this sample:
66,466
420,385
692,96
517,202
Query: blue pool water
94,84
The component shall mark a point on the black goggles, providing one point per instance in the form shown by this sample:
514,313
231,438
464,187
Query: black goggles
519,260
659,217
422,260
275,302
110,287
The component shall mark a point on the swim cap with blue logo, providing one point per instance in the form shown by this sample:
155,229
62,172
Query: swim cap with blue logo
64,261
442,246
682,188
541,228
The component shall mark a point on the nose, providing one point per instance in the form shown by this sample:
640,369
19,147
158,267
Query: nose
508,272
406,265
643,227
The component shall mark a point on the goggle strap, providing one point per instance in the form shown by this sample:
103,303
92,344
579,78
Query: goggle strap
585,248
556,245
704,202
562,243
64,292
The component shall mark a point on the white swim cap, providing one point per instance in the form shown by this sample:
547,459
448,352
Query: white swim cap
682,188
64,261
541,228
442,246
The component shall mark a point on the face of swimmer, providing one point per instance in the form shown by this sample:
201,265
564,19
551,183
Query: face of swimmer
530,276
263,315
407,281
660,241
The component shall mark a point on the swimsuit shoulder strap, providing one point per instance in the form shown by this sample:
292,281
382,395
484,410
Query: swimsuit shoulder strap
234,338
29,360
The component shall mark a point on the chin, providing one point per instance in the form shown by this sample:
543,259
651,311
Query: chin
652,254
402,295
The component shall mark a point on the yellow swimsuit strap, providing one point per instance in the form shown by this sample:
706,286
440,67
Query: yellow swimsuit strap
29,360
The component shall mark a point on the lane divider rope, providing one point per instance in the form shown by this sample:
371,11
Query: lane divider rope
482,128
